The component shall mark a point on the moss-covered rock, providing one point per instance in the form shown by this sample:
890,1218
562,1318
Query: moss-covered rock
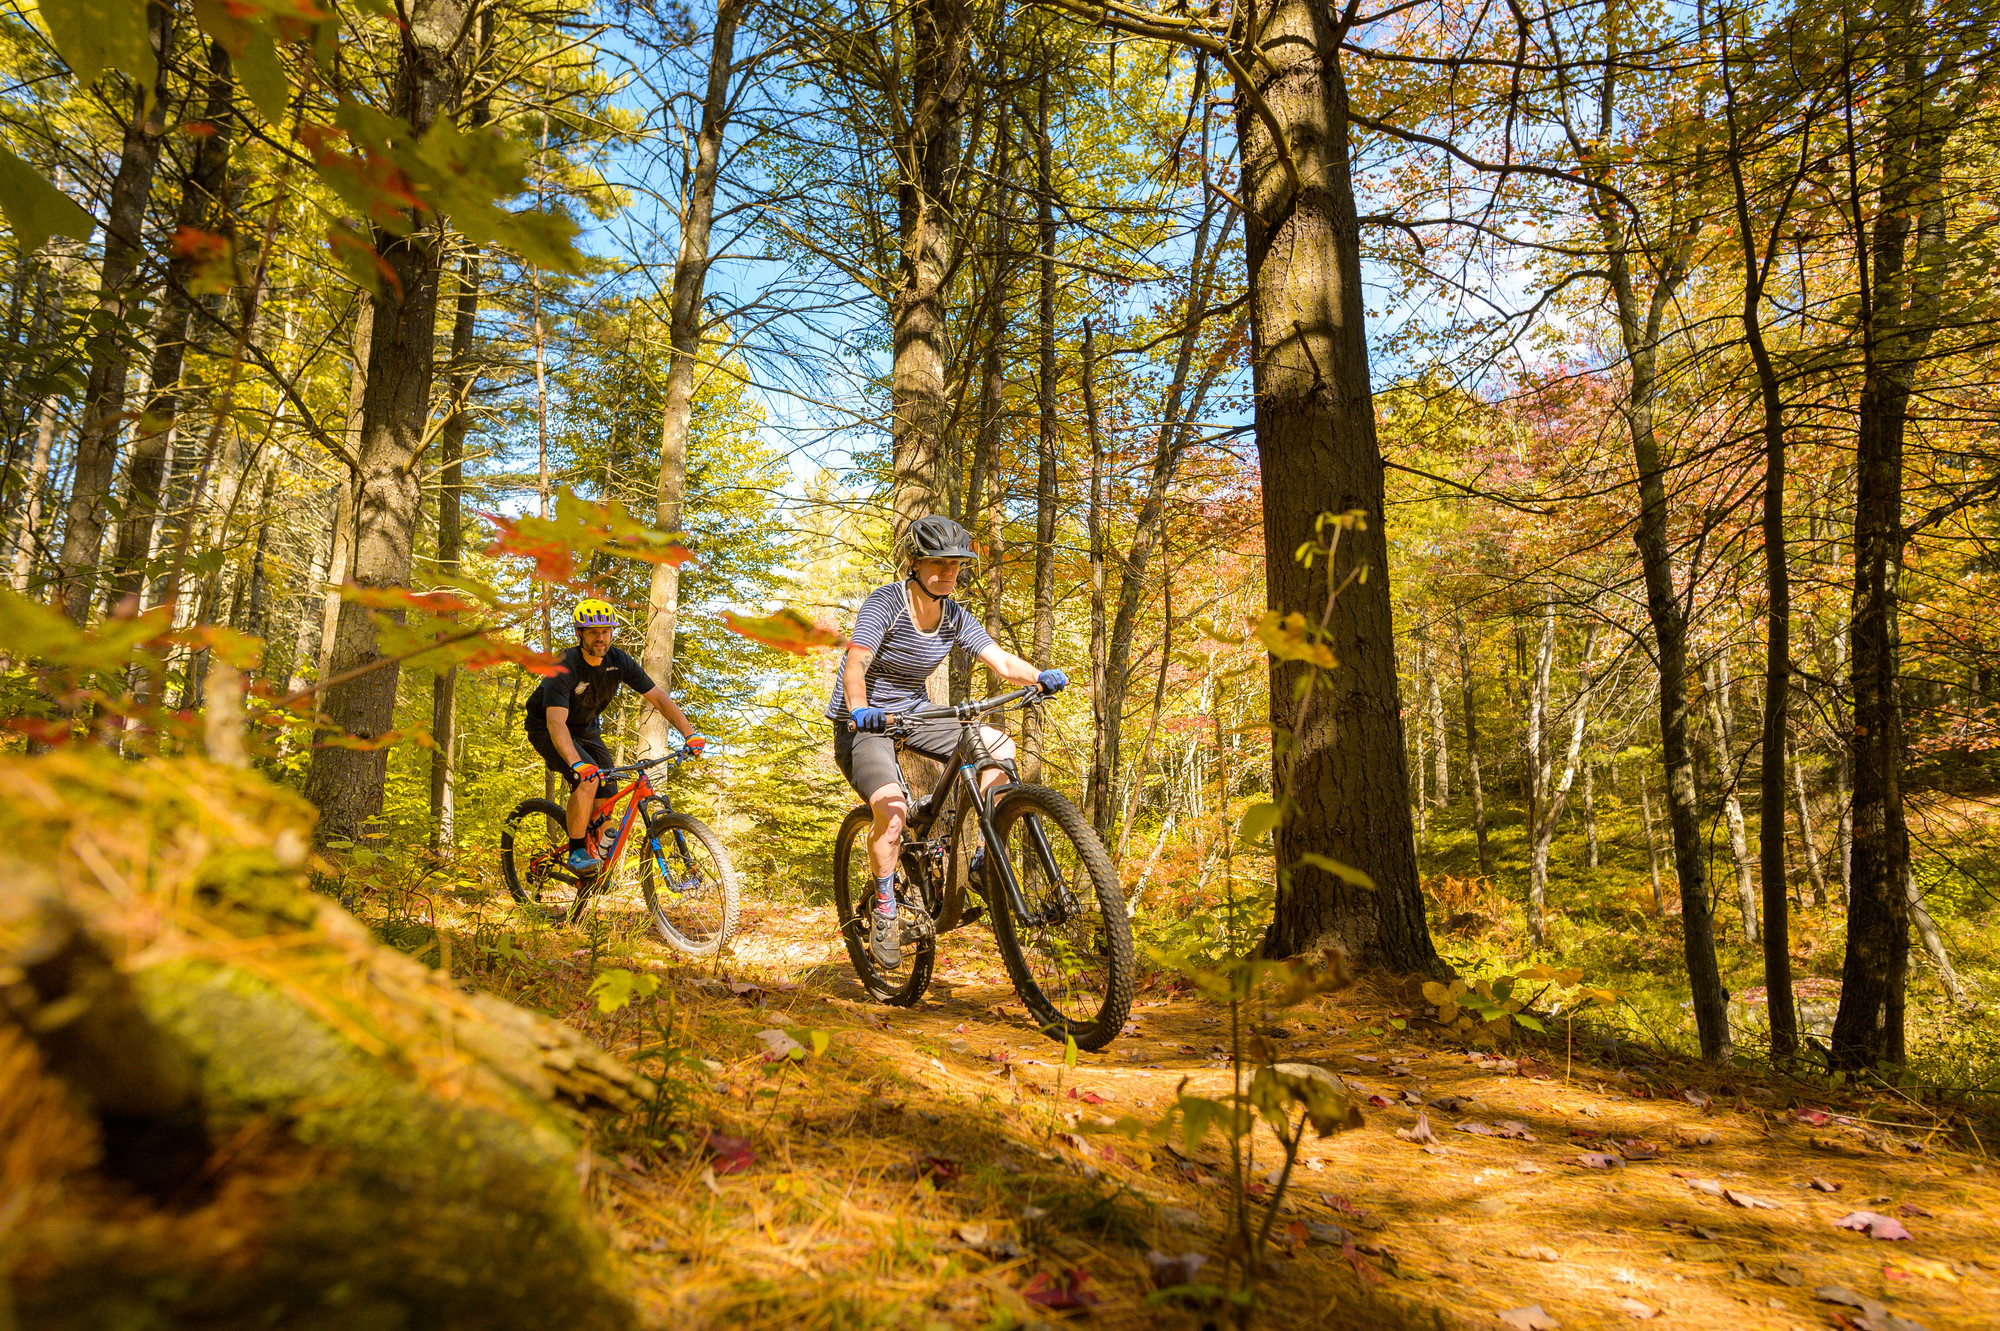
380,1149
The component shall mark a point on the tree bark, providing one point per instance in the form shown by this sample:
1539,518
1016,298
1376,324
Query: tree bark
451,548
1814,872
1097,795
1896,309
1317,453
201,210
28,536
340,563
1652,846
928,158
1468,697
120,290
1721,754
346,784
684,329
1046,437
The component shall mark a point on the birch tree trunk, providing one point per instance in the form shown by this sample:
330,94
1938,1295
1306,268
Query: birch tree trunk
1721,719
1469,701
1046,438
451,548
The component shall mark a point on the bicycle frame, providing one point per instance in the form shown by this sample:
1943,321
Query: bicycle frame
968,761
634,797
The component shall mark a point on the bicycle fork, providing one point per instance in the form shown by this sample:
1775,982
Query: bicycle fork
996,857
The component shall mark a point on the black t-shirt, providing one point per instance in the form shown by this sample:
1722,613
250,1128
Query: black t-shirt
585,689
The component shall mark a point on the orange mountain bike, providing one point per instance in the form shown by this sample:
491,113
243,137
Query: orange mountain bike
667,865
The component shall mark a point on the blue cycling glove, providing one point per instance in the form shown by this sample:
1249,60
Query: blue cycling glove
1052,681
871,720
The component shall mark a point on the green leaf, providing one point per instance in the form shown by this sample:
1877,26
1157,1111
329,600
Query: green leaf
95,35
35,208
1532,1023
262,74
1196,1114
1069,1050
1258,820
819,1041
1345,873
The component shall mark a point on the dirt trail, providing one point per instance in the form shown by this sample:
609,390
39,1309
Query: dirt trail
959,1113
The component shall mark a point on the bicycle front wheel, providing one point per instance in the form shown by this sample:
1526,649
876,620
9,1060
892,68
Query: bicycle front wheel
853,897
1073,969
689,883
534,853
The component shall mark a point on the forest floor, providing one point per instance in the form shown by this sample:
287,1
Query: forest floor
927,1169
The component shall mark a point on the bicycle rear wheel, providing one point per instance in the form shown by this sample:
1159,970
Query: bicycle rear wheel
853,895
689,883
534,853
1074,971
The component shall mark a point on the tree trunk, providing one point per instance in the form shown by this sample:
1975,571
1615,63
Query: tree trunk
451,548
1720,755
1434,714
1046,438
1098,791
1934,945
340,564
1590,815
346,784
1316,448
1652,847
1551,791
1813,870
28,536
938,81
120,289
684,319
200,210
1468,698
1868,1029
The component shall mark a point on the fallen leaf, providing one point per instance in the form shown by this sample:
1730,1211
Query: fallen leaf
1873,1225
1319,1232
1821,1185
1530,1318
1930,1268
1474,1127
1421,1133
1176,1269
1528,1167
1369,1273
1450,1104
1706,1185
1690,1136
1786,1274
1817,1118
1512,1129
1532,1067
1599,1160
1065,1295
1700,1252
1632,1148
732,1155
1634,1308
1911,1208
1697,1097
778,1045
971,1233
1380,1101
1748,1202
940,1170
1088,1097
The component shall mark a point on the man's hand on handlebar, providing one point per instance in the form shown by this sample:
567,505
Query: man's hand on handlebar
695,743
870,720
585,771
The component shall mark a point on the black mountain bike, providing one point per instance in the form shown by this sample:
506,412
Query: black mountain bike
1051,897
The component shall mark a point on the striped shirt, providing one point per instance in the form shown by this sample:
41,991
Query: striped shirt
905,655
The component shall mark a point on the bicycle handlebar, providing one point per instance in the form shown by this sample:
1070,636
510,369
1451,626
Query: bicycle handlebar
964,713
685,755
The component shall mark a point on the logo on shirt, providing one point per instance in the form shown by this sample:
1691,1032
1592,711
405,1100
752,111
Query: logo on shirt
581,685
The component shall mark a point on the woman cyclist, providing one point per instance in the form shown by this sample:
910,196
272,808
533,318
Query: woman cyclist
563,712
902,633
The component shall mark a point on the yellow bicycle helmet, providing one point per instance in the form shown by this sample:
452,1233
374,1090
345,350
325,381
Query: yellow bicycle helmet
592,613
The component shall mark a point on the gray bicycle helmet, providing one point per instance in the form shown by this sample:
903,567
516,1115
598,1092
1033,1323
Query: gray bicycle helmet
938,537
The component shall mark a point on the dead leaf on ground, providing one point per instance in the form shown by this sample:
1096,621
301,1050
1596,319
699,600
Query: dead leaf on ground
1690,1136
1421,1133
1451,1104
1911,1208
1530,1318
1697,1097
1748,1202
1632,1148
1817,1118
1635,1309
1474,1127
974,1234
1930,1268
1821,1185
942,1171
1175,1268
732,1155
1064,1295
1513,1129
1528,1167
1599,1160
1873,1225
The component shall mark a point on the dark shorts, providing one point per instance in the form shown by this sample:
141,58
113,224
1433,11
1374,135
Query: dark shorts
587,746
869,761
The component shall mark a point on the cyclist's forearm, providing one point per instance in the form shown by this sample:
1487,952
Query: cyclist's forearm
854,678
1009,666
667,708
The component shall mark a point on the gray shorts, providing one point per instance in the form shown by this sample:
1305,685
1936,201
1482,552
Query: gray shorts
869,761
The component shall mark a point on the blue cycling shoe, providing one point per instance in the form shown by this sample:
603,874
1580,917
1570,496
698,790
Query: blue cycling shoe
581,861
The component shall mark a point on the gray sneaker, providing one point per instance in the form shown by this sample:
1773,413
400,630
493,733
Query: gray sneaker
884,940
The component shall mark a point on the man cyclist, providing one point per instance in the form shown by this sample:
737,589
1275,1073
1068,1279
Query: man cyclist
564,711
903,631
